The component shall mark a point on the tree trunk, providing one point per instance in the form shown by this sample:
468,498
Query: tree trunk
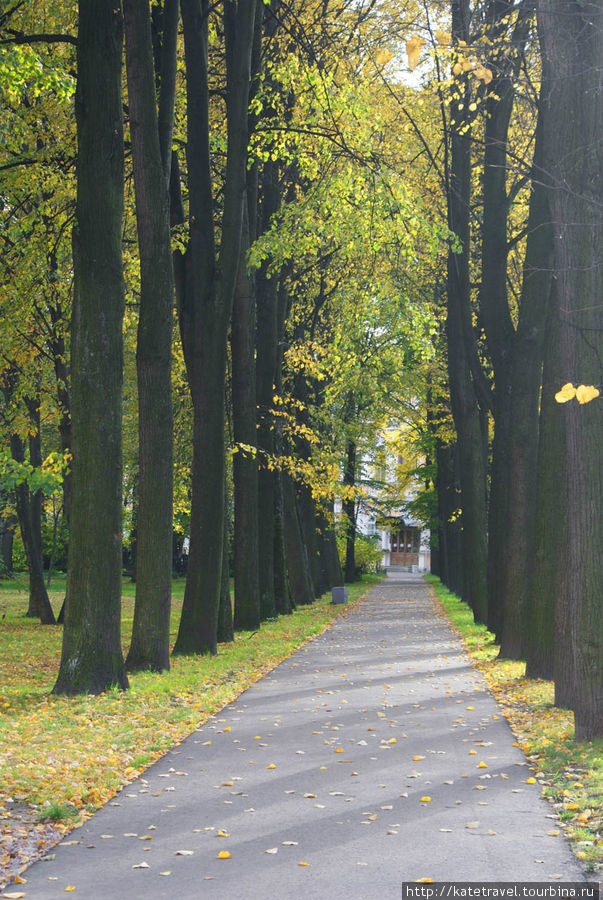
149,648
225,621
461,374
266,368
206,298
519,628
550,514
329,556
573,56
300,581
91,660
7,534
29,513
349,511
247,610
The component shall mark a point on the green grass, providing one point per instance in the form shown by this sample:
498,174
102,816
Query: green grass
78,751
569,772
55,812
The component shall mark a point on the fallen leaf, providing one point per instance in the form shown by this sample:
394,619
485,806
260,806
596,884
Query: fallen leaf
425,799
18,880
223,833
271,766
482,765
165,873
553,832
224,854
530,781
472,825
290,843
424,881
417,758
272,850
184,852
14,895
142,865
303,864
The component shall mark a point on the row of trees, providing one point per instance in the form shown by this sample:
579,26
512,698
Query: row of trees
349,245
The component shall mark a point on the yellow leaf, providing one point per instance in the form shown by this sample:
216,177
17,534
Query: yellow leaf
19,880
470,707
224,854
424,881
473,753
15,895
339,750
223,833
567,392
303,864
425,799
392,741
586,392
530,781
417,758
271,766
413,51
482,765
442,38
457,69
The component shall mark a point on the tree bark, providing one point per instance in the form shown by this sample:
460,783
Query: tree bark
300,580
519,627
206,297
29,513
248,611
91,660
349,511
149,648
225,620
573,55
461,374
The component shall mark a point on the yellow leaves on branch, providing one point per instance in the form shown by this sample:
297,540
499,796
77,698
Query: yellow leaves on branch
443,39
584,393
476,68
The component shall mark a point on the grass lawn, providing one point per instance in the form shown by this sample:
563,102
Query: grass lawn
569,772
68,756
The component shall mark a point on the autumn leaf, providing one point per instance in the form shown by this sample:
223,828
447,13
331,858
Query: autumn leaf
567,392
224,854
425,799
413,51
586,392
443,39
424,881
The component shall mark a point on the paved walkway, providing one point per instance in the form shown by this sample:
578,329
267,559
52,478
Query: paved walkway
317,779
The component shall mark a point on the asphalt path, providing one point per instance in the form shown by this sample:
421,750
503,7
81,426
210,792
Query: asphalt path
373,756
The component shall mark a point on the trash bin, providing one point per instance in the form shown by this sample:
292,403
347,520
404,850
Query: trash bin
339,595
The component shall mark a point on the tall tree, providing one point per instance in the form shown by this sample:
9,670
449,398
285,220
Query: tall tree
206,285
91,659
149,648
572,49
462,373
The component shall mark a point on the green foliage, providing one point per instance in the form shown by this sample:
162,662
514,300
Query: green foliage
367,553
47,478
